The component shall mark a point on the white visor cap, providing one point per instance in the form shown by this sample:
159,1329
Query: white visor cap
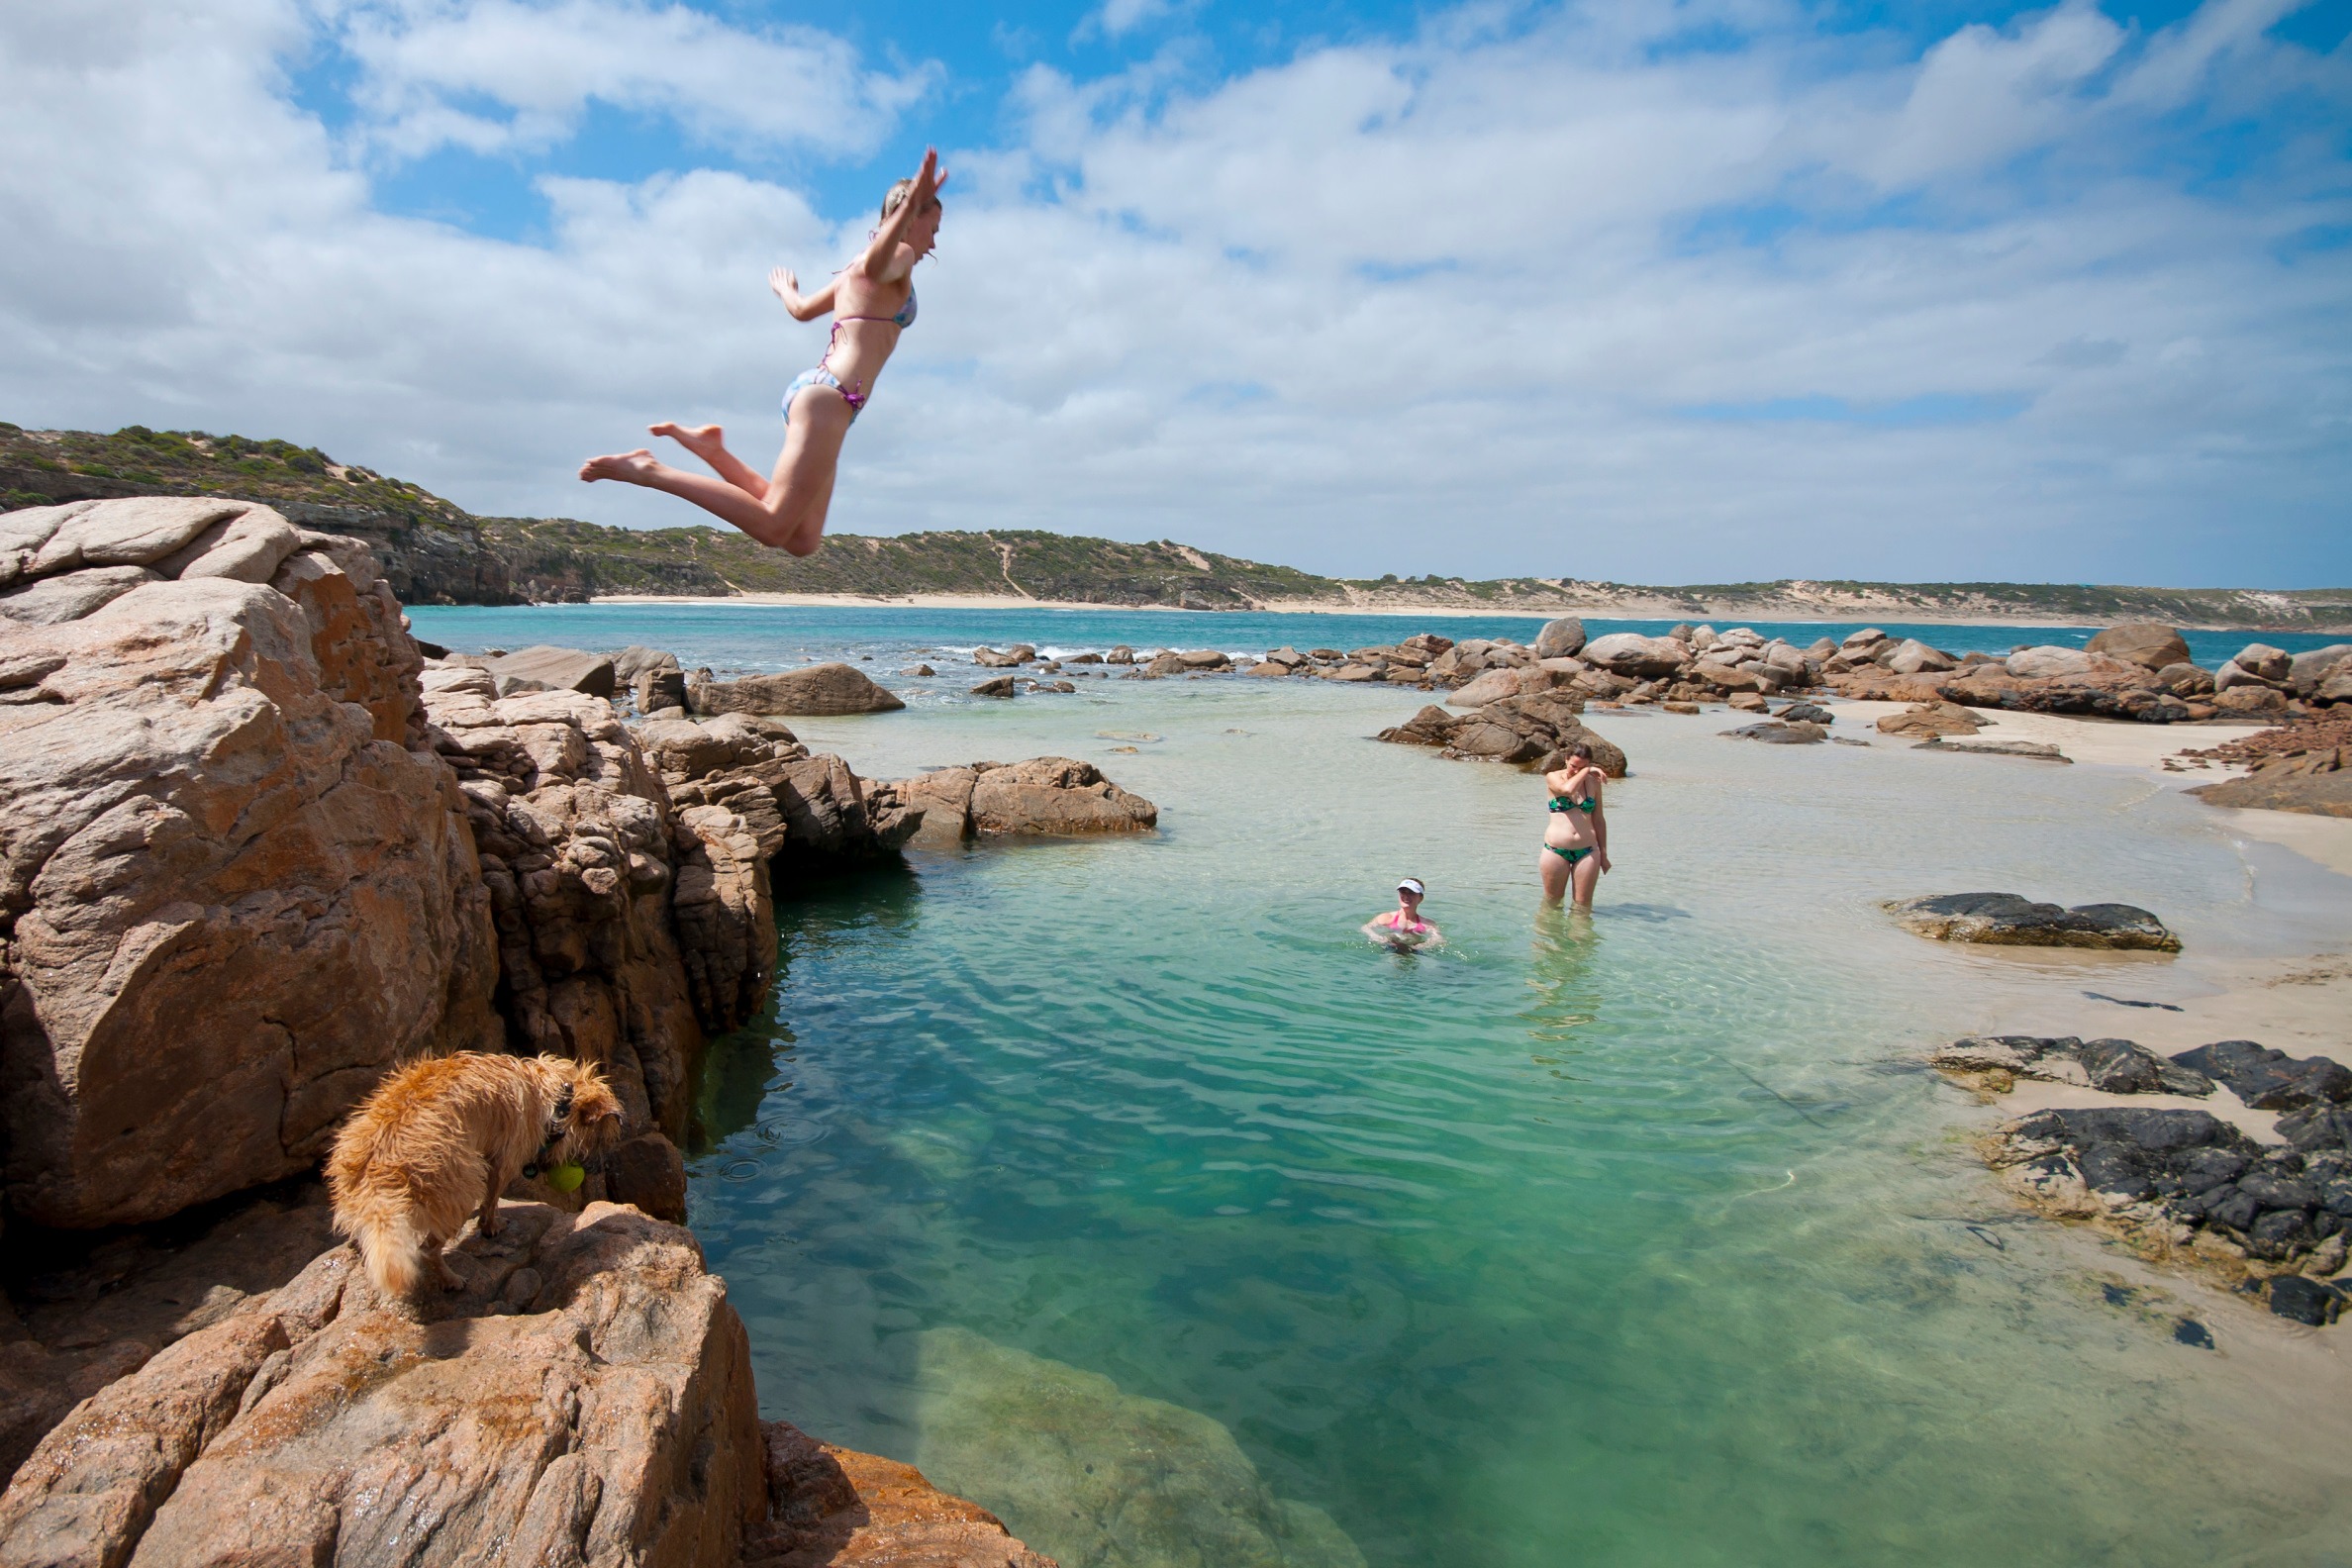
1412,886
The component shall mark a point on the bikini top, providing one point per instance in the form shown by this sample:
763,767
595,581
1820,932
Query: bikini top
905,317
1561,803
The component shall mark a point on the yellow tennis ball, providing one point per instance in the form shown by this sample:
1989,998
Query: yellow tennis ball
566,1178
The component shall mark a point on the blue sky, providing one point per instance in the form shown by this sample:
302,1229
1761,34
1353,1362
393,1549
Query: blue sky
1659,290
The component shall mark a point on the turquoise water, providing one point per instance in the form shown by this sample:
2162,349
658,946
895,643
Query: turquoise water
1637,1240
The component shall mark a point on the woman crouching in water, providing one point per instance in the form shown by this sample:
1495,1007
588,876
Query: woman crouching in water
1576,843
872,300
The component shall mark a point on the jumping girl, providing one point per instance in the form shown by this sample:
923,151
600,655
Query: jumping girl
872,300
1576,840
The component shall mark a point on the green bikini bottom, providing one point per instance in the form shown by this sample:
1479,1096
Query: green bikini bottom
1570,855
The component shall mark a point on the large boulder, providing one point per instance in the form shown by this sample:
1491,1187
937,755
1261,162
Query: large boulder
2264,662
2271,1080
54,601
2306,672
2319,782
1535,730
2008,920
549,669
1053,795
230,895
1631,653
1488,686
1912,657
1926,720
799,807
2046,663
819,690
586,1399
1560,638
2148,644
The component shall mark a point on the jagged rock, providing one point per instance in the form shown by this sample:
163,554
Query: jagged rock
2306,1300
2271,1080
990,659
2148,644
574,832
726,914
648,1172
653,690
1526,731
2107,688
2114,1066
997,686
2185,680
1560,638
2306,672
141,531
586,1399
1756,678
228,898
2262,662
1931,719
819,690
549,669
2319,782
834,1508
2007,920
634,661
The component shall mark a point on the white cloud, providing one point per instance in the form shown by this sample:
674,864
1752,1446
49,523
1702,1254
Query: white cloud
1559,299
537,67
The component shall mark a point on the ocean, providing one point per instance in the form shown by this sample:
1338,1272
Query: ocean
1124,1188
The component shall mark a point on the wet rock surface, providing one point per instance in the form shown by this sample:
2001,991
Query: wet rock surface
2010,919
586,1399
2271,1080
2113,1066
836,1507
2185,1185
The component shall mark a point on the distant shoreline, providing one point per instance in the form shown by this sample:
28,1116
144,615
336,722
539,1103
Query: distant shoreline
1813,617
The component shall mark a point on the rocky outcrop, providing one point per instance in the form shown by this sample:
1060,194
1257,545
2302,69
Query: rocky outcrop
576,851
2186,1186
1528,732
818,690
2038,680
2007,920
1045,797
230,893
834,1508
1777,731
2318,782
585,1400
2111,1066
1924,721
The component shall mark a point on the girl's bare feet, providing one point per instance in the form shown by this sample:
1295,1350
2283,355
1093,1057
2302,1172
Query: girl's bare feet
704,441
635,466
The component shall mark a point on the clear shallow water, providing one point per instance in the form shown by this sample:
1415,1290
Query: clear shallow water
1628,1242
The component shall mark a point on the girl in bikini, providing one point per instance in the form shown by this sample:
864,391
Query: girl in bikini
872,300
1401,929
1576,843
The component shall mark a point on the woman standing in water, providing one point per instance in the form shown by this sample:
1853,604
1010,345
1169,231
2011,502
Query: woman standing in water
872,300
1576,843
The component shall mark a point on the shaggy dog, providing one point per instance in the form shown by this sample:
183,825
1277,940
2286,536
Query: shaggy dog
441,1138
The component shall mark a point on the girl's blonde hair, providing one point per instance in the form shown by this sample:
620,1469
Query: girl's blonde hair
895,197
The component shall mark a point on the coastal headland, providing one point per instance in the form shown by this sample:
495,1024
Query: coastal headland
434,551
258,843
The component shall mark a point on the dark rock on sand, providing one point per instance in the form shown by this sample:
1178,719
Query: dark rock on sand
1807,713
2307,1301
2316,1130
997,686
2114,1066
2271,1080
821,690
2008,920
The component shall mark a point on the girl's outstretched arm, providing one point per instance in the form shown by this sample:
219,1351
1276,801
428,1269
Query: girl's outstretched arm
881,253
804,307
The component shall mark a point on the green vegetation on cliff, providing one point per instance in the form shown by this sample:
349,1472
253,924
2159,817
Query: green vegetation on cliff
436,551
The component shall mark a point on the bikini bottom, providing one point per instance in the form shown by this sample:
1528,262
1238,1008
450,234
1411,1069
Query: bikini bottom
823,378
1571,855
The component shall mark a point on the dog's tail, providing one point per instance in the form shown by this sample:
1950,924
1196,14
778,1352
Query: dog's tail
390,1244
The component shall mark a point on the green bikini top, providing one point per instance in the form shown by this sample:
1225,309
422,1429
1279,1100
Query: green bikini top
1561,803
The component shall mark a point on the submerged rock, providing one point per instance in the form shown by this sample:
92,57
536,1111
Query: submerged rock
586,1399
2008,920
2114,1066
1100,1477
